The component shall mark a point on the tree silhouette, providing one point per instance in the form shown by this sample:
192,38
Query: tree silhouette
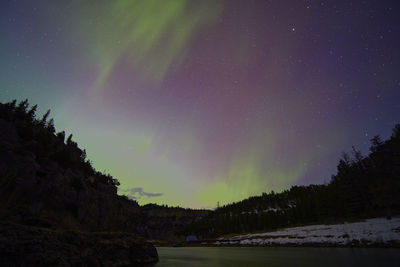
50,126
22,106
32,113
363,187
69,140
41,139
61,136
376,143
44,118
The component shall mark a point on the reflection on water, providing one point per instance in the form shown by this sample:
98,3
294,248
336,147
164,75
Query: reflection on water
246,256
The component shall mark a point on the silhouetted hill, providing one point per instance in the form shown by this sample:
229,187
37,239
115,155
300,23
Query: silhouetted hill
167,223
46,181
50,195
363,187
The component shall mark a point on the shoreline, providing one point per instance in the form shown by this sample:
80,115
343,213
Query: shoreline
370,233
289,245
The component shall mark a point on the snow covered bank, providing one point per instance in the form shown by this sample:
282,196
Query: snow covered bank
373,231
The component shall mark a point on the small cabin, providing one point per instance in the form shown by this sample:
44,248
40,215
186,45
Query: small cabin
191,238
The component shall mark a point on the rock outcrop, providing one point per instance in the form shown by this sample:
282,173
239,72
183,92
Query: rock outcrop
39,191
46,182
55,209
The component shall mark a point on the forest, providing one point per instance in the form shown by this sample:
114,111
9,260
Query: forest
47,143
47,180
363,187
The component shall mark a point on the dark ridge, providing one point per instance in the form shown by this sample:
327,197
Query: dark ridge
54,204
364,187
46,180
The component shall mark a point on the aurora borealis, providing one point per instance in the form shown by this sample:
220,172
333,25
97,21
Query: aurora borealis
191,103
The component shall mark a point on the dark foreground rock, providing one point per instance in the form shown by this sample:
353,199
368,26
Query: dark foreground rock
22,245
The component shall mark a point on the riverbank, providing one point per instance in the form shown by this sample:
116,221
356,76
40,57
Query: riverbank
377,232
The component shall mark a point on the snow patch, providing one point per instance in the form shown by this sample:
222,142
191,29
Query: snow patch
378,230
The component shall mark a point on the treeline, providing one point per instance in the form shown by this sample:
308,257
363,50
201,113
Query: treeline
363,187
39,136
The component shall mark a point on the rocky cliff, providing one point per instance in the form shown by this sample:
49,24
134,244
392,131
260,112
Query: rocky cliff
53,201
39,191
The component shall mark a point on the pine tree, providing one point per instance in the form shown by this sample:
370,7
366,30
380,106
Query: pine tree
396,132
22,106
61,136
44,118
69,140
32,112
83,155
12,104
50,126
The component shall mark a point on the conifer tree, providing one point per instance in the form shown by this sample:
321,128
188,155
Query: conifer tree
61,136
44,118
376,143
69,140
50,126
12,104
32,112
22,106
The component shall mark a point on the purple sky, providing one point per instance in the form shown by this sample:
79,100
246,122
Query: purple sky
195,102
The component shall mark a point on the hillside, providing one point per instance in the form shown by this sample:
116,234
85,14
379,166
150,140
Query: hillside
47,181
167,223
55,209
47,185
364,187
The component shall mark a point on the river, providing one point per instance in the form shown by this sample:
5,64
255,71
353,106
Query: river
278,256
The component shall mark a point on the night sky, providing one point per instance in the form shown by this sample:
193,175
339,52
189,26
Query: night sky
193,102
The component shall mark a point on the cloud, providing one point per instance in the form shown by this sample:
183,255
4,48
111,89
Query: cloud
138,192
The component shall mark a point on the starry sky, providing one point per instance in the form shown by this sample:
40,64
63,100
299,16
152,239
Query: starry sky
191,103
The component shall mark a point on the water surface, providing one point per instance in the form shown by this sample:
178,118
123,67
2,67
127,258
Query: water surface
280,256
